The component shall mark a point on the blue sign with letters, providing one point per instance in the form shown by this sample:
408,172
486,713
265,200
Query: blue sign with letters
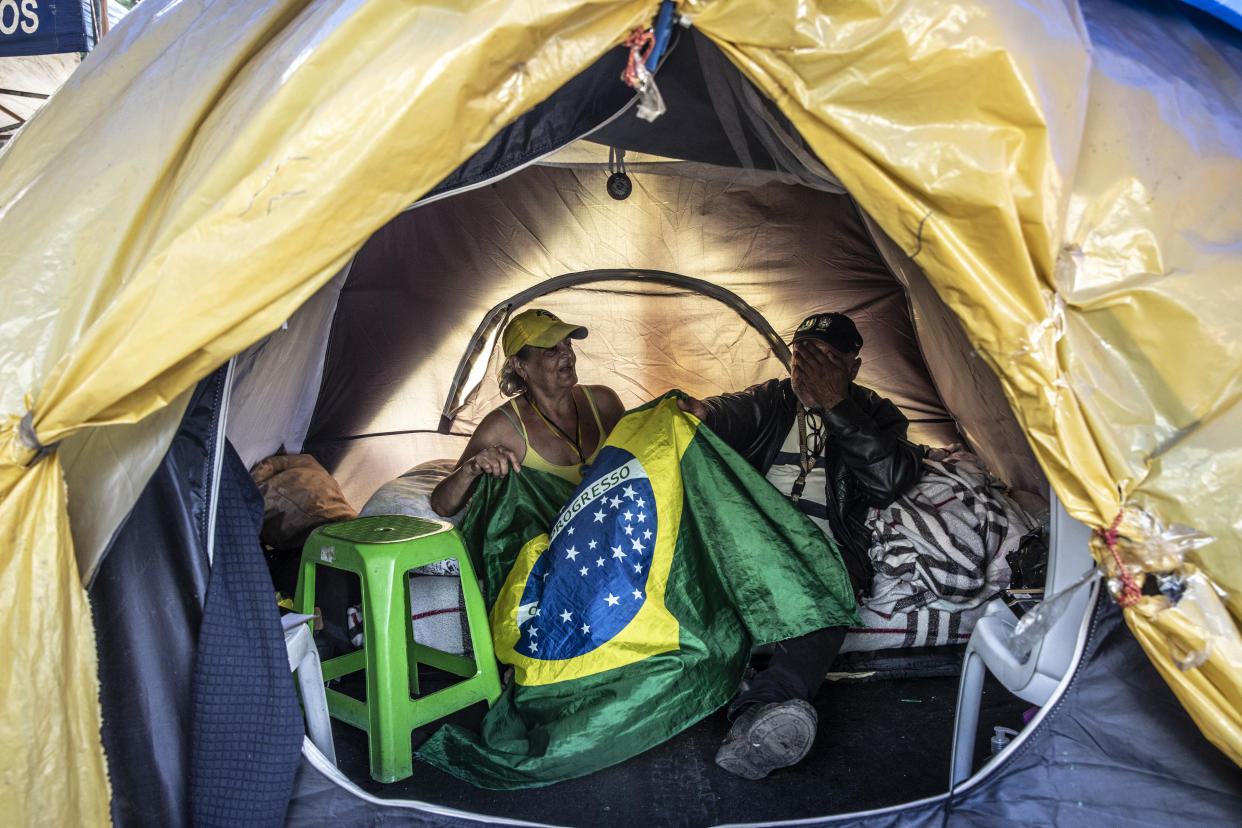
45,27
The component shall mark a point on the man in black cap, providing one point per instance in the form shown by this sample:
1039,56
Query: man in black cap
835,449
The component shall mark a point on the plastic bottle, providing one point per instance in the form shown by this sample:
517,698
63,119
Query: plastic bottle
1001,737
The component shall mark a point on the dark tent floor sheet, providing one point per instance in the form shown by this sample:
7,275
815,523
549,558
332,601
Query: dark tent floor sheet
880,759
884,725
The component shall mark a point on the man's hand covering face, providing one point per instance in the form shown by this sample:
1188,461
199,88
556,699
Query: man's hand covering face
821,375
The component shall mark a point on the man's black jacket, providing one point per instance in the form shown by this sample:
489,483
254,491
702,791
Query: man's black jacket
867,458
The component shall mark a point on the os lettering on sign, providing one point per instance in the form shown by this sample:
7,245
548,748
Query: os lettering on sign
12,16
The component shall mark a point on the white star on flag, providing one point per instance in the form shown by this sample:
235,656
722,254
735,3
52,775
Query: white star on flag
534,630
534,646
638,568
599,516
628,491
628,516
616,501
646,534
612,600
567,616
641,517
582,571
591,544
639,503
585,629
570,531
599,561
617,553
571,553
629,530
638,595
638,547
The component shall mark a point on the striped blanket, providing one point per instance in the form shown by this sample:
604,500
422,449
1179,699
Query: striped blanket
939,553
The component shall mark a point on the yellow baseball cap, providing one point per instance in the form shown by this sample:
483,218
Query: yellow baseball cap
537,327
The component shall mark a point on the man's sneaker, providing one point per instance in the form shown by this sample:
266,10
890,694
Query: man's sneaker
766,737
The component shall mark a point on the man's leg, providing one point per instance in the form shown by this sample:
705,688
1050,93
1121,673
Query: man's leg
773,720
796,670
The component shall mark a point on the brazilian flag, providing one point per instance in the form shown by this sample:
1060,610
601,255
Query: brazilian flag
628,606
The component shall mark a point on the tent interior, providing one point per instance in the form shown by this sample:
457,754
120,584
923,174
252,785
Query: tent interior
733,233
704,270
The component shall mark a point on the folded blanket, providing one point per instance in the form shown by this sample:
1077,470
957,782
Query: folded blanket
943,544
921,627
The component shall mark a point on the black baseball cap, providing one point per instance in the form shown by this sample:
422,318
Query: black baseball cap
837,329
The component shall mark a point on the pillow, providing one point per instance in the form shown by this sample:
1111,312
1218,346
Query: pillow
298,495
410,494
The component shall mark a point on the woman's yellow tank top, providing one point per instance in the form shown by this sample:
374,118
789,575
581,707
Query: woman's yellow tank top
534,460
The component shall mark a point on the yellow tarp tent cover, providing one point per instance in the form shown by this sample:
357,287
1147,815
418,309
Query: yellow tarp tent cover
212,164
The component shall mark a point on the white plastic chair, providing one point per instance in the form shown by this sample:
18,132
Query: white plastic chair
304,662
1035,678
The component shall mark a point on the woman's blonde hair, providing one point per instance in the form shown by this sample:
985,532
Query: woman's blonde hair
511,384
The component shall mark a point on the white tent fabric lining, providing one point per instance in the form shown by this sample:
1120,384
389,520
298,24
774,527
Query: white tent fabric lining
643,283
386,376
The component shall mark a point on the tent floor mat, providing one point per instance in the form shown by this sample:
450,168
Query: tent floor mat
885,737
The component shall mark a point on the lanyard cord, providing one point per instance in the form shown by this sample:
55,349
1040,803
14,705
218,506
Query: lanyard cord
806,459
576,445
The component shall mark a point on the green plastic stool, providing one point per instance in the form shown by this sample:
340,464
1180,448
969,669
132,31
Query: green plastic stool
381,550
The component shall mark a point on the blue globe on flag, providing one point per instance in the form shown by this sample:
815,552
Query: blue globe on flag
591,581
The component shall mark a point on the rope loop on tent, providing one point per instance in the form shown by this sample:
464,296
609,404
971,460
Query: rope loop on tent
1131,593
640,43
26,433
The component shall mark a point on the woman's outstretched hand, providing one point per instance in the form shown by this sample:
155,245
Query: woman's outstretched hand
495,460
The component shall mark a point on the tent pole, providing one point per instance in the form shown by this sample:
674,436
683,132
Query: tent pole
20,94
20,120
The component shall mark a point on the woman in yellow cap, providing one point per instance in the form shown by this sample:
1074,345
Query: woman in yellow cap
552,423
